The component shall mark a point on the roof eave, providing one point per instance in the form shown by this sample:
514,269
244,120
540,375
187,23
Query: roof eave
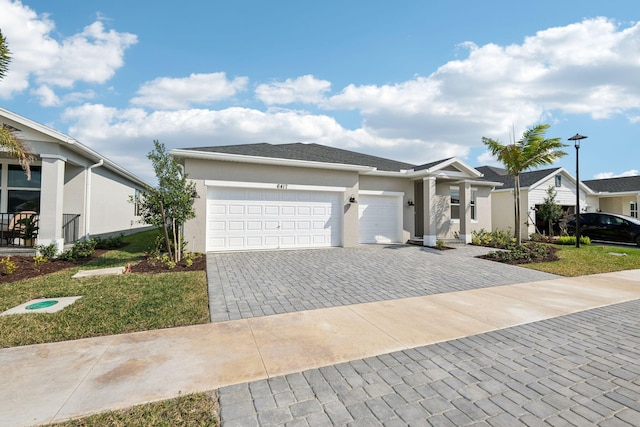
72,143
438,167
226,157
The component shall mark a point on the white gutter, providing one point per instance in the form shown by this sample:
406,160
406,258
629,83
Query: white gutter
87,199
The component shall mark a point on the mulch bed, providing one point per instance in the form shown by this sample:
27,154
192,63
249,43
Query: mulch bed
550,256
28,269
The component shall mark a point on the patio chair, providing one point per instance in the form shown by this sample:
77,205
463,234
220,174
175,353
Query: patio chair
16,228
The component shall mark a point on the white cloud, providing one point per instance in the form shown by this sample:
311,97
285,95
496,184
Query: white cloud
197,89
126,136
589,67
305,89
46,96
486,159
92,56
604,175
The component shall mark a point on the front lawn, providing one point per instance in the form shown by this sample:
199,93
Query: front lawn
591,259
110,304
198,409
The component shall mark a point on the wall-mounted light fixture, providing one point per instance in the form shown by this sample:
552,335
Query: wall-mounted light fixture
410,202
352,199
195,195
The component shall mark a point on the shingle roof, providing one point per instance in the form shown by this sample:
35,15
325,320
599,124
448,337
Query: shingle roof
526,178
430,165
615,185
309,152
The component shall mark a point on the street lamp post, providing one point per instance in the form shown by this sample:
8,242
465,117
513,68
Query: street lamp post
576,141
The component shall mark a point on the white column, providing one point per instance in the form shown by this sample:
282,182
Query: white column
465,211
52,201
430,216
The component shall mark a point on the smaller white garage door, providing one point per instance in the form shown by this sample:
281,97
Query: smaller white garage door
246,219
380,218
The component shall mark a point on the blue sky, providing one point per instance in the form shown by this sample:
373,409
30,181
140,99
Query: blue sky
415,81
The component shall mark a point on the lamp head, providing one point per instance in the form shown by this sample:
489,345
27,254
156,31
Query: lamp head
576,139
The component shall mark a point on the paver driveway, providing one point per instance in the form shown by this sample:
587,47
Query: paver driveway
576,370
252,284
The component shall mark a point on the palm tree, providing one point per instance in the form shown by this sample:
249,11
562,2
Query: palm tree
14,146
532,151
5,56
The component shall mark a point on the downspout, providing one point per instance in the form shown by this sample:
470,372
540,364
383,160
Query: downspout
87,199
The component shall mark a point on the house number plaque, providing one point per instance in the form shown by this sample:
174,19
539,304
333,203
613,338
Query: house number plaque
281,186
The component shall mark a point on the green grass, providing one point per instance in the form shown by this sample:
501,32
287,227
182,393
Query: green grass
590,260
109,304
198,409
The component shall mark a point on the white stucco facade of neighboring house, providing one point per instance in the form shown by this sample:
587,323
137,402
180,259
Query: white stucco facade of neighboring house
617,195
76,192
264,196
533,191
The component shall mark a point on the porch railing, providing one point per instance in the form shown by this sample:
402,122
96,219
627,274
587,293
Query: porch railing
18,231
10,235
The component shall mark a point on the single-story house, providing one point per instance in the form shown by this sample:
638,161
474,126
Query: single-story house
75,191
617,195
264,196
533,191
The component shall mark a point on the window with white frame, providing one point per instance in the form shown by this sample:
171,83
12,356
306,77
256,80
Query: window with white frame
455,203
633,208
474,211
22,194
558,181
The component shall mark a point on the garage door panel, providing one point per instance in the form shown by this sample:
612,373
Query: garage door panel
287,225
241,219
304,225
271,210
254,225
379,219
236,225
271,225
217,225
236,242
235,210
254,210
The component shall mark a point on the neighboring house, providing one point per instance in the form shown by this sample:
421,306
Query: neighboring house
617,195
263,196
75,191
533,191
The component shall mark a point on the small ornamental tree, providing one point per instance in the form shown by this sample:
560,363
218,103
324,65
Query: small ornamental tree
170,204
549,210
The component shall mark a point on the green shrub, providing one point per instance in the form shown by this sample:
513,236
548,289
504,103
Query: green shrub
47,251
494,239
188,258
81,249
7,266
571,240
522,254
114,242
39,260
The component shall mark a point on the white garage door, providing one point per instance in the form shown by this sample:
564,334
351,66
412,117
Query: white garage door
245,218
380,218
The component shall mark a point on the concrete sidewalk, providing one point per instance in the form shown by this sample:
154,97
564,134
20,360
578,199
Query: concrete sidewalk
52,382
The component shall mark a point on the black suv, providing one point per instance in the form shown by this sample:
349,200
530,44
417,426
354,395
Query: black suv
606,226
